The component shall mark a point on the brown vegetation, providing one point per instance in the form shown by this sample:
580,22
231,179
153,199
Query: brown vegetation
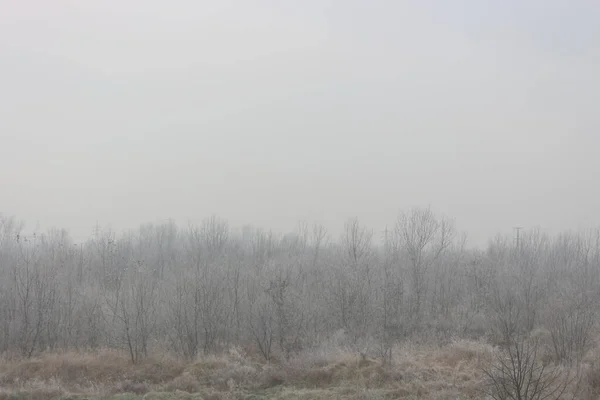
457,370
416,371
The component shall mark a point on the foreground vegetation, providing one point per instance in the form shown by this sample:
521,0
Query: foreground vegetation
327,373
454,371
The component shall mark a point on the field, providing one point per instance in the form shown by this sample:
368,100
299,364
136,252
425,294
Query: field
454,371
450,372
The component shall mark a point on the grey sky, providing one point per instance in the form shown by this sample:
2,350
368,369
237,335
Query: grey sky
268,112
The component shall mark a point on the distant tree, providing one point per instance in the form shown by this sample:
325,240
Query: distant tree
424,238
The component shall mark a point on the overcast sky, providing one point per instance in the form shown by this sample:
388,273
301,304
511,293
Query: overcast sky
272,111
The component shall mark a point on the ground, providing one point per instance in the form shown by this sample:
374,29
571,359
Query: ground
425,372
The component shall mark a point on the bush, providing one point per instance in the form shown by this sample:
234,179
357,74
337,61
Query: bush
516,373
571,325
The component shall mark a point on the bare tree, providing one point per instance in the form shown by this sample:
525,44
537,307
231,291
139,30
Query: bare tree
136,312
571,324
261,321
352,279
318,240
215,234
392,296
518,374
424,238
506,313
35,292
105,246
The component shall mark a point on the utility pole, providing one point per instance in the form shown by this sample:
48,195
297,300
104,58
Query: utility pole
518,238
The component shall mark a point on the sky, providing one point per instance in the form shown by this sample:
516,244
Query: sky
268,112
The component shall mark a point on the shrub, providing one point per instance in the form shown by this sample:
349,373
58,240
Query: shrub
516,373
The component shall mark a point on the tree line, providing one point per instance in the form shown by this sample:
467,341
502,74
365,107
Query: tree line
201,289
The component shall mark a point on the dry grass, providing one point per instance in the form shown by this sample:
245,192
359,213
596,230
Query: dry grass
85,369
90,373
450,372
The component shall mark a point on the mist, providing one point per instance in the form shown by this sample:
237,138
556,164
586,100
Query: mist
269,113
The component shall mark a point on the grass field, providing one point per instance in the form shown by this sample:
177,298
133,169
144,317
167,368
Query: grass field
450,372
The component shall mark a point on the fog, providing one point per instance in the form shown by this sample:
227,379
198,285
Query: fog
266,112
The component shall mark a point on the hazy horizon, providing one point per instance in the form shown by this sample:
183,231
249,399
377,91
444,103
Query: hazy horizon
124,113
